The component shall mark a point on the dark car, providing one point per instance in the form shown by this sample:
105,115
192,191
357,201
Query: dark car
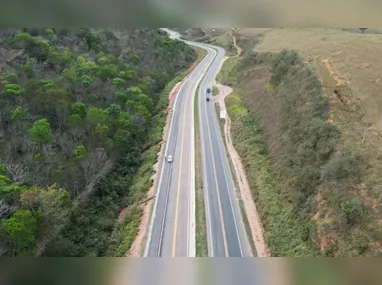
208,90
208,99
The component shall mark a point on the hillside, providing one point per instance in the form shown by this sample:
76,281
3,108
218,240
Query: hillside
306,124
80,111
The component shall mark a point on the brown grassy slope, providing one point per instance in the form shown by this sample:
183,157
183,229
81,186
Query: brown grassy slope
353,58
349,66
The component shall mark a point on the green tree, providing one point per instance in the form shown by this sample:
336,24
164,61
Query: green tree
95,116
9,77
118,82
49,33
22,40
86,66
128,73
137,108
86,80
19,113
22,229
79,109
353,209
113,110
14,89
91,39
75,121
41,131
122,96
134,91
45,85
80,152
101,130
146,101
124,120
66,56
107,71
69,75
55,205
9,191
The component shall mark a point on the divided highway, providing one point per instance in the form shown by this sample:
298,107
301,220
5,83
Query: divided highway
172,231
225,227
172,228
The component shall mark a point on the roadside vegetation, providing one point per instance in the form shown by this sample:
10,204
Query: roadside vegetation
284,231
81,113
309,183
201,227
215,91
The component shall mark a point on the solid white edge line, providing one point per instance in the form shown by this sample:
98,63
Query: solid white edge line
191,211
228,188
220,151
192,199
161,175
205,181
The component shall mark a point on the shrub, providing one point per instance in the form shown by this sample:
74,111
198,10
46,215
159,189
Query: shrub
80,152
344,165
80,109
9,77
13,90
41,131
86,80
353,209
18,113
118,82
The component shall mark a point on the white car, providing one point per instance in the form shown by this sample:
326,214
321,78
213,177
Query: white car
169,158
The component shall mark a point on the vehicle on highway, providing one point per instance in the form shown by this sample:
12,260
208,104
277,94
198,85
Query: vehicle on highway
208,90
169,158
208,99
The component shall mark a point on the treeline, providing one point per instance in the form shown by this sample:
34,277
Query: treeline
76,107
305,181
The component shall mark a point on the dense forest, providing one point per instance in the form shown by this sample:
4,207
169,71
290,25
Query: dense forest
76,109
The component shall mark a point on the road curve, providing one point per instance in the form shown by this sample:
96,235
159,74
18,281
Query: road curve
172,228
225,227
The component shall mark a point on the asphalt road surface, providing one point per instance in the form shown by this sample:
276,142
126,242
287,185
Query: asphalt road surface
172,229
172,232
225,227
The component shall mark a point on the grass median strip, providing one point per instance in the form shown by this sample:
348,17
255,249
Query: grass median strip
201,231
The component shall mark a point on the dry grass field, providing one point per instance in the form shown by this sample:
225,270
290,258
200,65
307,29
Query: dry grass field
352,59
349,66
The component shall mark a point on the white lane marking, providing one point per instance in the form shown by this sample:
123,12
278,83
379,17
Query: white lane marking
160,180
159,187
205,180
225,176
191,210
214,123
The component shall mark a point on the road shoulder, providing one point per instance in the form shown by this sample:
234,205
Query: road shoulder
253,218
